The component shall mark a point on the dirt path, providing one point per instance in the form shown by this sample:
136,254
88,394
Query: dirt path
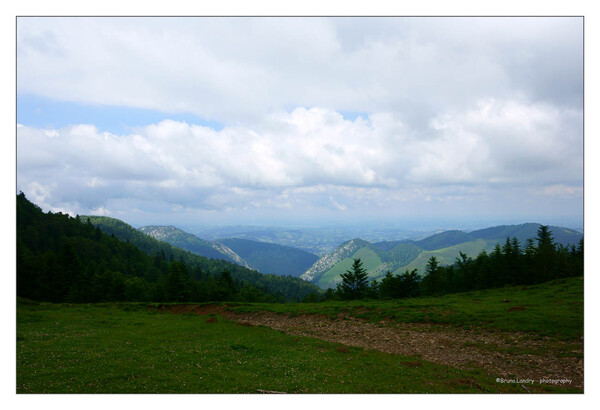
506,355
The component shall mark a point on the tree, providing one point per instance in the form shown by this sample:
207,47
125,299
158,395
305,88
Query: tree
466,273
432,281
405,285
528,263
388,288
544,237
178,283
226,288
354,281
409,284
545,255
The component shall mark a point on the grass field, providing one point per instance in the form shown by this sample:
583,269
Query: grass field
553,309
131,348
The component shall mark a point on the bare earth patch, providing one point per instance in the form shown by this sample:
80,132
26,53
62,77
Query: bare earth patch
507,355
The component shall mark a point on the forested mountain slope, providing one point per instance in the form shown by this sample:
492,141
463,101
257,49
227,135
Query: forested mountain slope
60,258
192,243
399,256
284,287
262,256
270,257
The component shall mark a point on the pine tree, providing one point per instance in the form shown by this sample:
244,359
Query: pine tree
409,284
226,286
178,283
432,281
466,274
354,281
545,255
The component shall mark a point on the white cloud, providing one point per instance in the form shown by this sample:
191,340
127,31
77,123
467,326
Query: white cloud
39,193
291,159
449,111
237,69
504,142
100,211
561,190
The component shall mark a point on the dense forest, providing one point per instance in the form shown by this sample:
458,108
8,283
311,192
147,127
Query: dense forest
66,259
541,260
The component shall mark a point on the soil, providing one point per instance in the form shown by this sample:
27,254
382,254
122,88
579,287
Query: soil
507,355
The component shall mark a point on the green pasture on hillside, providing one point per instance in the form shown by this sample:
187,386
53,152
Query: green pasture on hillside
552,309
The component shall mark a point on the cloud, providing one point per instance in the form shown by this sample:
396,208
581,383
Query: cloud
457,116
293,158
234,70
504,142
562,191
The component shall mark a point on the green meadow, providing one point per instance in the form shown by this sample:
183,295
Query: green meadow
552,309
132,348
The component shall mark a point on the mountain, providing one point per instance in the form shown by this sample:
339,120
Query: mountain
283,287
269,257
563,236
326,262
398,256
64,259
443,240
316,240
261,256
192,243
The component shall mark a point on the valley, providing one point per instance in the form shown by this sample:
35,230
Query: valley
395,256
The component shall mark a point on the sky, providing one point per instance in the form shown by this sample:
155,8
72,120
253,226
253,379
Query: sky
303,121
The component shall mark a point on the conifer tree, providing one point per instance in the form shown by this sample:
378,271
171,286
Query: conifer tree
432,281
545,255
354,281
178,283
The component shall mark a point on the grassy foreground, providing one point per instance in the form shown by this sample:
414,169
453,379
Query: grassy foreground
103,349
552,309
131,348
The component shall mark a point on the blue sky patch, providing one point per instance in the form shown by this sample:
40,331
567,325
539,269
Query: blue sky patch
47,113
353,115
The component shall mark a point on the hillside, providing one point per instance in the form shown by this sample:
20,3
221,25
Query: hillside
271,258
192,243
261,256
398,256
324,263
283,287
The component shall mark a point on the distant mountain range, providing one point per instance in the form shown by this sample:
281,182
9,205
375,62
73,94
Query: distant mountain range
261,256
377,257
397,256
316,240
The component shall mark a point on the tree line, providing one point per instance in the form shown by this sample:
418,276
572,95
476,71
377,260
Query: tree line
540,260
66,259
